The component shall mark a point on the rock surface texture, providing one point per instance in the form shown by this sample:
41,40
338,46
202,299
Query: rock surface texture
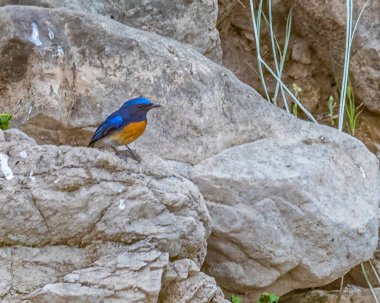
323,24
80,225
319,220
349,295
302,67
256,166
90,67
191,22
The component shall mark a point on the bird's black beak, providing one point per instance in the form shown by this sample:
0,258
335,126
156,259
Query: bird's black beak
153,105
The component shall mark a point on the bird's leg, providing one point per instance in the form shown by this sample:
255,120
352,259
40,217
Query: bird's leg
114,149
134,155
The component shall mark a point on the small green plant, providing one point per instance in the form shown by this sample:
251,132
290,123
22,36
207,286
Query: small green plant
4,120
297,90
352,111
268,298
350,34
332,104
235,299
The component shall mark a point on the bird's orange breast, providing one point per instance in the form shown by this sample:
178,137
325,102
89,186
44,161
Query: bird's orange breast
129,133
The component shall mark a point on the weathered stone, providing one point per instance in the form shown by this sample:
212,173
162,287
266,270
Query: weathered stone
104,63
83,74
350,294
301,52
323,25
47,130
190,22
288,214
81,225
99,197
96,273
184,283
302,66
206,109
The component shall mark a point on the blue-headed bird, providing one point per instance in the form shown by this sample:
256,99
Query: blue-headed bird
124,125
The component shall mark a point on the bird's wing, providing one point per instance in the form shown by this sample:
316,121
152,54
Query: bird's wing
111,124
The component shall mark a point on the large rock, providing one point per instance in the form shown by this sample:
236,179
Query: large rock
92,63
323,24
191,22
288,214
81,225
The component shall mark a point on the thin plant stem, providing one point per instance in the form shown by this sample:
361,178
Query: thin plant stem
256,29
286,45
289,92
375,271
349,9
273,46
340,289
241,3
369,283
283,57
275,39
357,20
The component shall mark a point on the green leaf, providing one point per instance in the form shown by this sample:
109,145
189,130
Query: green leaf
268,298
4,120
235,299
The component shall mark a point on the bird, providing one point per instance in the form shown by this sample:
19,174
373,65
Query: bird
124,125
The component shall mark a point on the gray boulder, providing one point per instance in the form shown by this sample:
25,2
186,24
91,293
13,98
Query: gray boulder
288,214
93,64
82,74
190,22
81,225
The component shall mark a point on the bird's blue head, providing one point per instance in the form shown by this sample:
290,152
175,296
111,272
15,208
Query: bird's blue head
137,108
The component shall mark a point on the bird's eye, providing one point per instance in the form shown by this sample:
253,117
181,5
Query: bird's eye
140,106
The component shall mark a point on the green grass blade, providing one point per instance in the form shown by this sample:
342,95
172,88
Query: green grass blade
368,282
357,20
272,38
375,271
256,29
289,92
349,9
283,56
275,38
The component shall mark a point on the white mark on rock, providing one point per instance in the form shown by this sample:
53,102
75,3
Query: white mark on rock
60,51
30,110
361,230
122,204
35,37
71,278
363,173
5,168
51,34
23,154
31,176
